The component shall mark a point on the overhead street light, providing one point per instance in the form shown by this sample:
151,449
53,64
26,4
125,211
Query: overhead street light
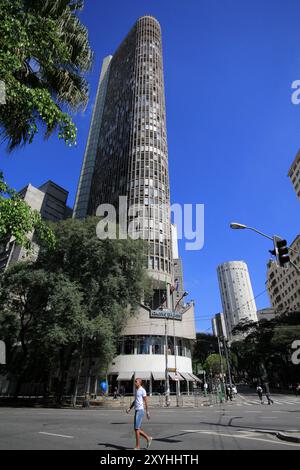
281,249
237,226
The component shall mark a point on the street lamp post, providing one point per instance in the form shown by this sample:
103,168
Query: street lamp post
175,348
221,370
237,226
167,387
227,360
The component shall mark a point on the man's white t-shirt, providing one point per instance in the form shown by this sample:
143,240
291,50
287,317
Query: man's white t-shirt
139,401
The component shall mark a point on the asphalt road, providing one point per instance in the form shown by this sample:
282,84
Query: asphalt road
232,426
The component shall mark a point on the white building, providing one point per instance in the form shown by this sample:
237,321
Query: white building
236,294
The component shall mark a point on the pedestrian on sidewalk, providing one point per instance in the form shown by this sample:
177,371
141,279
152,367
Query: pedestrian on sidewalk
229,392
259,391
139,402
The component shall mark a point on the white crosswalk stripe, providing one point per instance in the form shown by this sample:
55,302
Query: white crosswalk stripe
278,401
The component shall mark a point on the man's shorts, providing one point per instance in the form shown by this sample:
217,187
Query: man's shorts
139,414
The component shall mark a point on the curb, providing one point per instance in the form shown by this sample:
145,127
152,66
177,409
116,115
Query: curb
288,437
281,435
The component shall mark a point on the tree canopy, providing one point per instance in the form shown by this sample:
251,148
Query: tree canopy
77,296
18,220
215,364
265,351
204,346
44,53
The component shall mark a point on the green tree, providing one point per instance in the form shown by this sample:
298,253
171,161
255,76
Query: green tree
44,53
213,363
18,220
71,303
204,345
265,352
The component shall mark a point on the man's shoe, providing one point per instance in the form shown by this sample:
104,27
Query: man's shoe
149,442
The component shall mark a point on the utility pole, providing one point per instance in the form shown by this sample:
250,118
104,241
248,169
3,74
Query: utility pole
221,367
167,383
227,361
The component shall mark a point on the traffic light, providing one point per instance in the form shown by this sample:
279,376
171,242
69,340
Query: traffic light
281,251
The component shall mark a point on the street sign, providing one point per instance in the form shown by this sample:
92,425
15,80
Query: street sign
168,314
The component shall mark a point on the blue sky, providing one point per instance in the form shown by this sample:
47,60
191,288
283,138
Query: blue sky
232,129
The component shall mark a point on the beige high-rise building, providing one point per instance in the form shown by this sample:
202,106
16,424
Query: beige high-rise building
283,284
236,294
294,174
219,325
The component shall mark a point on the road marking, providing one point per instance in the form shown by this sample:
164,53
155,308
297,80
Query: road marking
58,435
239,436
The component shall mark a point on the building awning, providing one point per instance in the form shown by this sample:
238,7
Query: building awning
159,375
194,378
187,376
174,376
144,375
125,376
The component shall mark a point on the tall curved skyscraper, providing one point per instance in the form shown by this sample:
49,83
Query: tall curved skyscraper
130,155
236,294
127,155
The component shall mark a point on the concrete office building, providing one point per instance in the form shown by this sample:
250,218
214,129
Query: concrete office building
283,284
219,325
236,294
50,200
127,155
267,313
294,174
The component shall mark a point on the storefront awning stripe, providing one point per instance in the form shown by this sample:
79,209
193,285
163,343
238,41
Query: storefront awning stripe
195,378
187,376
172,376
144,375
125,376
158,375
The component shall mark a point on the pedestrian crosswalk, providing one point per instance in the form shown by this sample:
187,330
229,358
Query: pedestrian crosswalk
242,400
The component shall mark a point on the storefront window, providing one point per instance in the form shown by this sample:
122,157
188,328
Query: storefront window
143,345
157,345
128,346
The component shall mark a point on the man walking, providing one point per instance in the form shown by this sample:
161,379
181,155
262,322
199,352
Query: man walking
138,404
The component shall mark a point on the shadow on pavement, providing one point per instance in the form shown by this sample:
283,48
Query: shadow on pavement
108,445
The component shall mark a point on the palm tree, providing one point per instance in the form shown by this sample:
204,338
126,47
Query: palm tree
45,52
